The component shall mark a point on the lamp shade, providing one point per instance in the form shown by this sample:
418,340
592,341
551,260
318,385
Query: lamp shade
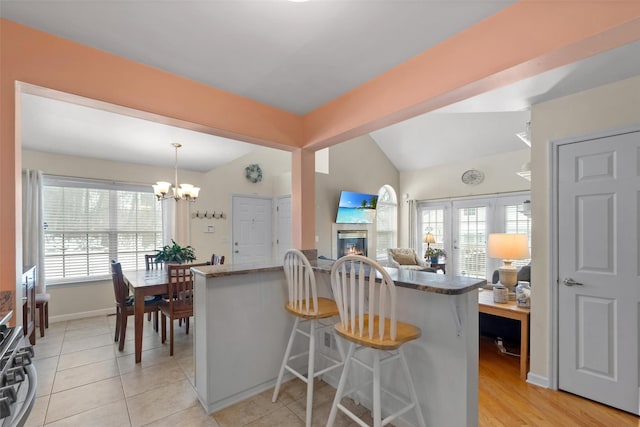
429,238
508,246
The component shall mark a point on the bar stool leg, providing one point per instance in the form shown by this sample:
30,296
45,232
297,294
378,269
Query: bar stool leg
46,315
285,359
412,388
377,411
310,369
341,384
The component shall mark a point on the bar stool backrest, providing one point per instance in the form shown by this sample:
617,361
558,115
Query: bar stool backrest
356,281
301,282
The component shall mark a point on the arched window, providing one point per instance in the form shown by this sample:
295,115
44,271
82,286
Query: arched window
386,222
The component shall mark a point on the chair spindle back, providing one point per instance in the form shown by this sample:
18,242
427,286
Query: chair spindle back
354,281
301,282
217,259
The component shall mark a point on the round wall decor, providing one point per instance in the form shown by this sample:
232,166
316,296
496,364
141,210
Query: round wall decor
472,177
253,173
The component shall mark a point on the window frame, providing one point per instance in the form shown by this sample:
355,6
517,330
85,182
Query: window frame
112,229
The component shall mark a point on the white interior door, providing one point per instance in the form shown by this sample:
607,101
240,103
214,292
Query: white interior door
599,281
283,212
252,238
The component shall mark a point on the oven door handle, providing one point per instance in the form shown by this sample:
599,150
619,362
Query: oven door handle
21,417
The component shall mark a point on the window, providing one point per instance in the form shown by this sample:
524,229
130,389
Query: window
433,222
515,221
471,246
386,222
461,227
87,223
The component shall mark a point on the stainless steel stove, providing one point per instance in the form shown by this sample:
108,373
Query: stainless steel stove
18,382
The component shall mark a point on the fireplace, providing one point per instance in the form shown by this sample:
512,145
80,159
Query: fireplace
353,238
352,242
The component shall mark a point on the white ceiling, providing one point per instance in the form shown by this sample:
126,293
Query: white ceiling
295,56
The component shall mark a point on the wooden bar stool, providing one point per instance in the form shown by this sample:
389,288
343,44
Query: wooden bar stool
307,307
42,306
368,320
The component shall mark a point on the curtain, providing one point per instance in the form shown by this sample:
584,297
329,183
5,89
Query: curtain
412,224
33,225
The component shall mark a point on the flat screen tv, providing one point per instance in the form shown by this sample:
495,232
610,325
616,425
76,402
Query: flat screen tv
356,208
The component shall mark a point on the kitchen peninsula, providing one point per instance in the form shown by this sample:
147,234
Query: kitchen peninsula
241,331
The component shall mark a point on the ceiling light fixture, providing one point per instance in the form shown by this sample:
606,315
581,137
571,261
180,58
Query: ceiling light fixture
526,135
183,192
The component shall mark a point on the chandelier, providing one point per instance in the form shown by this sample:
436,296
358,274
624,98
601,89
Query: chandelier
183,192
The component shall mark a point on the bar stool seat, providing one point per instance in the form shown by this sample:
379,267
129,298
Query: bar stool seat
307,307
42,305
366,298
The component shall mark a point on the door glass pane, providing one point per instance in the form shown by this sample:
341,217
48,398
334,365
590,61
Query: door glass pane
433,222
516,222
472,242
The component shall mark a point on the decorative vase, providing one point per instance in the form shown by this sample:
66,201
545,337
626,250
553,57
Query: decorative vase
434,260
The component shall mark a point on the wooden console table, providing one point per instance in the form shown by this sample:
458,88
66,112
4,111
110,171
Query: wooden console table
509,310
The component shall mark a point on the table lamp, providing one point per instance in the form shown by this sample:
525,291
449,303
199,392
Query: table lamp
428,239
508,247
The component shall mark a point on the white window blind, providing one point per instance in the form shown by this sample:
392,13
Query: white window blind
516,222
472,242
386,222
87,223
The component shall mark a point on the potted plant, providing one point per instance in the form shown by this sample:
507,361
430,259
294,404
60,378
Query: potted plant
175,254
433,254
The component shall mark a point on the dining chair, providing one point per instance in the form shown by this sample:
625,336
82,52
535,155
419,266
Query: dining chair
366,299
42,306
125,303
303,302
217,259
178,303
152,264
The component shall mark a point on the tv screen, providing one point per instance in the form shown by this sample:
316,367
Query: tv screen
356,208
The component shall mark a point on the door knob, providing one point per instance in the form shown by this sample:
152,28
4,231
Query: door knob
570,282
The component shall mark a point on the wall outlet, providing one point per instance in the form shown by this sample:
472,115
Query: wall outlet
327,339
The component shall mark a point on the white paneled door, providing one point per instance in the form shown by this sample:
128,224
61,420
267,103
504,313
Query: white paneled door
599,278
252,238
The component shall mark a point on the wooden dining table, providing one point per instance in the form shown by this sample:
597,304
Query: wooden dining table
144,283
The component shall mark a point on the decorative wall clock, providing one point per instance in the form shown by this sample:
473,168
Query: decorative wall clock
472,177
253,173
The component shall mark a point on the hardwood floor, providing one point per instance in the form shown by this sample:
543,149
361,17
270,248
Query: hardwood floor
505,400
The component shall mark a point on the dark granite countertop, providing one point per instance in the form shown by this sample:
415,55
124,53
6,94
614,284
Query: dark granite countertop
418,280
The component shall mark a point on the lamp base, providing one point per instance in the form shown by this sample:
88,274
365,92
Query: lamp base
508,277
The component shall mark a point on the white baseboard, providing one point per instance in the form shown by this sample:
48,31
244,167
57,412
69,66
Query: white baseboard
538,380
81,315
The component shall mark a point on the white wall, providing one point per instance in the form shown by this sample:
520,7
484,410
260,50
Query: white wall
441,182
357,165
217,186
606,107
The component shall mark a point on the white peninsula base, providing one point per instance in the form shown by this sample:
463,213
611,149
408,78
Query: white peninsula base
241,331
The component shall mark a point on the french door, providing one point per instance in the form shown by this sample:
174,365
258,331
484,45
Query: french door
461,228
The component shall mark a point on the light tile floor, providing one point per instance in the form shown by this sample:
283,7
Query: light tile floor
83,380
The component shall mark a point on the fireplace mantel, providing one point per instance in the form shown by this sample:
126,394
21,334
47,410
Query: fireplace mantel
371,237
